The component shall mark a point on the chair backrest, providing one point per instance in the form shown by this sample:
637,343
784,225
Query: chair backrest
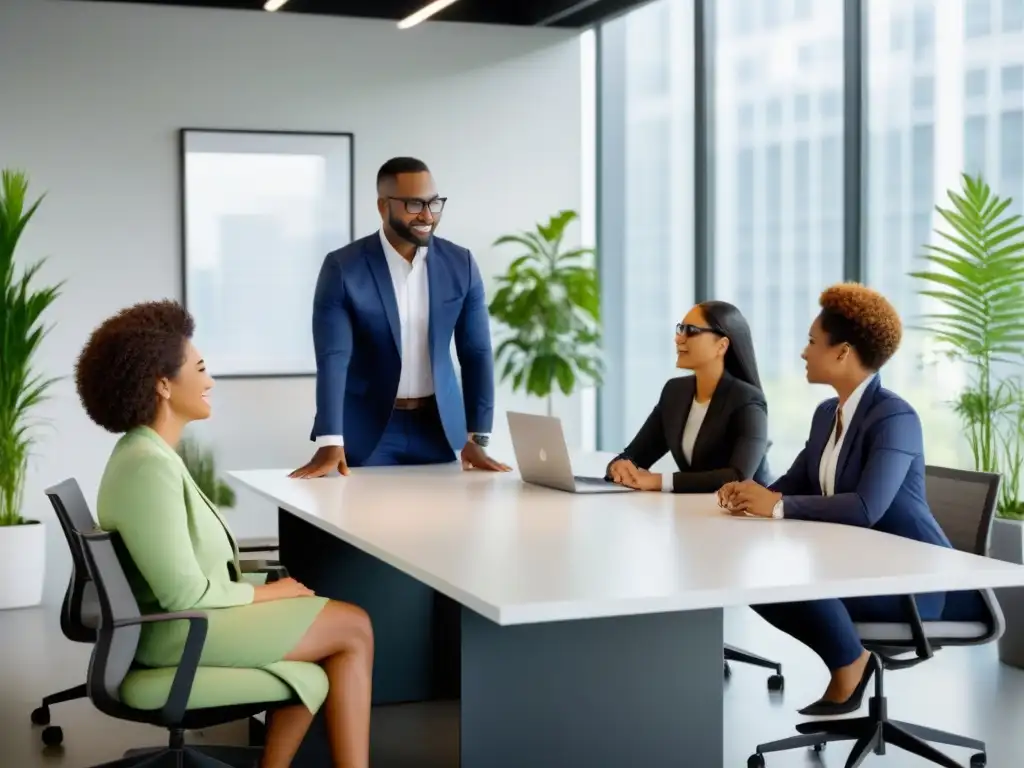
116,643
73,513
964,504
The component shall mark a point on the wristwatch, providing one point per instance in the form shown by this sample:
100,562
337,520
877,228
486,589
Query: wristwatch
777,510
481,440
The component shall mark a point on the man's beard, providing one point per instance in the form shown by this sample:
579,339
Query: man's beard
405,232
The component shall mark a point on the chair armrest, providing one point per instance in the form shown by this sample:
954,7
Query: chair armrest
265,544
173,711
273,569
921,644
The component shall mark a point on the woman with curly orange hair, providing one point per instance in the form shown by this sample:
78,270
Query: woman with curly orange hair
864,465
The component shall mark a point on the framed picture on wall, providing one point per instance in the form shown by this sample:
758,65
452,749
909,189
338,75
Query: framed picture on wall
260,210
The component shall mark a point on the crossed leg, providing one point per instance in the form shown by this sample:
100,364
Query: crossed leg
341,640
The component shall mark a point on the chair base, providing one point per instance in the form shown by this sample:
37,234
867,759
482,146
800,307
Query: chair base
872,734
776,682
53,735
192,756
68,694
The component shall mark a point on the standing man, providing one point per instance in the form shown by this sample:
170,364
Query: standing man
385,311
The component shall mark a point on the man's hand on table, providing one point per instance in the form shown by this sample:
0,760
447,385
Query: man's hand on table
326,459
475,457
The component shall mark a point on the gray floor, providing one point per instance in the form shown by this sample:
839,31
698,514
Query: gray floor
963,690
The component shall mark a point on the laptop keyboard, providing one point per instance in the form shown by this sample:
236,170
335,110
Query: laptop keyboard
591,480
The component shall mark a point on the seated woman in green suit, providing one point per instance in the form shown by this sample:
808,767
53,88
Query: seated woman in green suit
140,375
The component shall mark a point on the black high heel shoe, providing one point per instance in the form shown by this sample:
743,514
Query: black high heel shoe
825,708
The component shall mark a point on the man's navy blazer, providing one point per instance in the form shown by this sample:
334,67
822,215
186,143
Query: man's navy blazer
357,340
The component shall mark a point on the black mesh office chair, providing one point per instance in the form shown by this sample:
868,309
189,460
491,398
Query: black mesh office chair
186,697
964,504
776,682
79,613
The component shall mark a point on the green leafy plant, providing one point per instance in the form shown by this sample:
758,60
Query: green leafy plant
549,302
202,465
22,307
978,277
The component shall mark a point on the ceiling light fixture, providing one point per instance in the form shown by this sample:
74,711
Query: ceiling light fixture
423,13
273,5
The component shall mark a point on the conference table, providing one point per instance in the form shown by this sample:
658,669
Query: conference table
573,629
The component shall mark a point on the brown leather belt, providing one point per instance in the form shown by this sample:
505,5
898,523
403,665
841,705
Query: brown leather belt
413,403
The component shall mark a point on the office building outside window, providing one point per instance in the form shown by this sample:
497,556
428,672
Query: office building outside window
778,230
916,152
646,203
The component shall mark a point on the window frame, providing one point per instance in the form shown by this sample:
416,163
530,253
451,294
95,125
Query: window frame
610,170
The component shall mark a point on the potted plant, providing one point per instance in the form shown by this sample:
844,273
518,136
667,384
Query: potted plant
202,465
548,301
22,389
978,277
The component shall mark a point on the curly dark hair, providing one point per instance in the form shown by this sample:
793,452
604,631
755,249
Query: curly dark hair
119,366
854,314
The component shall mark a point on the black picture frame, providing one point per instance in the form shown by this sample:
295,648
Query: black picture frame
255,341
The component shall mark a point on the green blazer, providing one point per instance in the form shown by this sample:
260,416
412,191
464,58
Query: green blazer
179,554
180,545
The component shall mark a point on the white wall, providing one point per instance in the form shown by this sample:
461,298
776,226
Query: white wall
93,95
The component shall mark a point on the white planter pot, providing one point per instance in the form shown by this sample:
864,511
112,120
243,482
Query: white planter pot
22,565
1007,544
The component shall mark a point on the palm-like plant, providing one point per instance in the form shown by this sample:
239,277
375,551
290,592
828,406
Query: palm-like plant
549,301
202,465
22,306
979,278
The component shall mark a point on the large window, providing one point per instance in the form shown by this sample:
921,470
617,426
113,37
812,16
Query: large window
778,170
974,56
646,202
942,93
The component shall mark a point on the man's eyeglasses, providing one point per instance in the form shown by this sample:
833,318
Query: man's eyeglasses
688,329
416,205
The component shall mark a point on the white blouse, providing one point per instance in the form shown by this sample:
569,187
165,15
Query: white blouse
694,421
833,448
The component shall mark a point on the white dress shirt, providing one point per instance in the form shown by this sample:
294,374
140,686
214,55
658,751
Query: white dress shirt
693,424
830,456
412,294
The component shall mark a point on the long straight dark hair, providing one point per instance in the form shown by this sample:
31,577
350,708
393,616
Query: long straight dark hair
740,359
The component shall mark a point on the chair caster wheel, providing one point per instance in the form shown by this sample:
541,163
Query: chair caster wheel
755,761
819,748
41,715
776,683
728,671
53,736
979,760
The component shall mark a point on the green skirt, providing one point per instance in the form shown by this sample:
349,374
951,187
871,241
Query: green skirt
255,636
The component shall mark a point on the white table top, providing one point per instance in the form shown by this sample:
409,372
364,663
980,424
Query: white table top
520,554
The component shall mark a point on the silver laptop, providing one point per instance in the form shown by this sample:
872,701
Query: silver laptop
543,457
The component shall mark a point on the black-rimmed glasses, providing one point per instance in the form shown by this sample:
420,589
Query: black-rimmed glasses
689,329
416,205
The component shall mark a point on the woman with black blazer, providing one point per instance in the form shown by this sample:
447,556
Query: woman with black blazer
714,422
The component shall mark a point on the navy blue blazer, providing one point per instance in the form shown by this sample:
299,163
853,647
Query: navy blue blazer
879,476
357,340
